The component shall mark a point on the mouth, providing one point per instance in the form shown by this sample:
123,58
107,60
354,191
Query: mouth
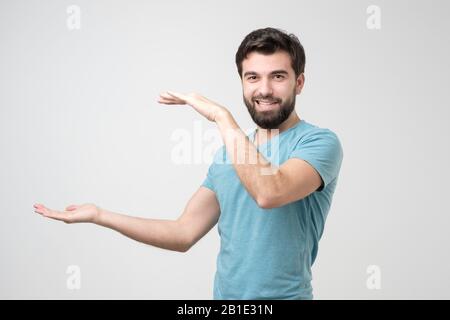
264,105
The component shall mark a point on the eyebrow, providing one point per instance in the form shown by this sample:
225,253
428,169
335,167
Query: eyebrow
273,72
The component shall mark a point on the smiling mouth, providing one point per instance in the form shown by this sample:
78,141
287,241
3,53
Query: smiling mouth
266,105
265,102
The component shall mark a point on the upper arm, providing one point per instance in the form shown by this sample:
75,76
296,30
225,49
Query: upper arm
313,163
296,179
200,215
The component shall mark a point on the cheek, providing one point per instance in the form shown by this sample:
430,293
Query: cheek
285,92
249,93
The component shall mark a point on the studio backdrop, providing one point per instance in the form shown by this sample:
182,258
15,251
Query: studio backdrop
80,123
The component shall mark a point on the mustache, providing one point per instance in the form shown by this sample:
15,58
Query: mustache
266,98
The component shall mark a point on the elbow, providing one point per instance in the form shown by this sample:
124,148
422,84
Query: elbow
183,247
186,244
184,239
270,195
266,202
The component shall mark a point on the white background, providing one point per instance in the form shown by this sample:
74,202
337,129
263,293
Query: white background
79,122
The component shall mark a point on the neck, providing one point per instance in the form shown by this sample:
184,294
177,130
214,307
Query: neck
292,120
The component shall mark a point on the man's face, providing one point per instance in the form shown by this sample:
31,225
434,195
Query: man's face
269,87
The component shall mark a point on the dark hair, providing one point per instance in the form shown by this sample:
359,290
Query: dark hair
268,41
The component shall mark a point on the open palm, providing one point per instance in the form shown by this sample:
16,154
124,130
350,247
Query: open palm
202,105
74,213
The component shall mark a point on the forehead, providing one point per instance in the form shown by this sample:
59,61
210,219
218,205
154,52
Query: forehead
264,64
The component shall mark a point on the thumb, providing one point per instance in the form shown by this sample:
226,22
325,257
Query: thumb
71,207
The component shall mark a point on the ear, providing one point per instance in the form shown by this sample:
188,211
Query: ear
300,83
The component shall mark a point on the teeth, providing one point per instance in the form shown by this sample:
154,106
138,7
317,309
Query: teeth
265,102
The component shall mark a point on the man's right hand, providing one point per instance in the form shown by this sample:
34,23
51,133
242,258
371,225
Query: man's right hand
200,215
73,214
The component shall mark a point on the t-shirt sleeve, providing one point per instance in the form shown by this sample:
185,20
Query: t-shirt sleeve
321,149
218,159
208,182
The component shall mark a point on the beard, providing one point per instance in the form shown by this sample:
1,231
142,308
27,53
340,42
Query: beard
270,119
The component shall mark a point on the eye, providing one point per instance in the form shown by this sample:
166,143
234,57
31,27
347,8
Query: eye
251,78
279,76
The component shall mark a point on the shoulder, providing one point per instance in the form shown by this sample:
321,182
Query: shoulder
321,148
308,133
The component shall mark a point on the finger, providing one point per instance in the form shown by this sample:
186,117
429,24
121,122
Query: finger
174,94
171,100
169,96
53,214
175,98
38,208
166,95
56,218
179,96
166,101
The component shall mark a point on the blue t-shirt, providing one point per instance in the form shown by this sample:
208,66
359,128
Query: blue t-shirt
268,253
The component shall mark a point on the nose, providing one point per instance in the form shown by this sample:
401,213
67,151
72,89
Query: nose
265,88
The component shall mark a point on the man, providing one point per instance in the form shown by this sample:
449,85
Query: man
270,205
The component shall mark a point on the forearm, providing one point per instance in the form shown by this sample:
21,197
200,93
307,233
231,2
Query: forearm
255,172
165,234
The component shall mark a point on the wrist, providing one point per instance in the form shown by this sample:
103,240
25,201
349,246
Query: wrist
99,217
222,115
